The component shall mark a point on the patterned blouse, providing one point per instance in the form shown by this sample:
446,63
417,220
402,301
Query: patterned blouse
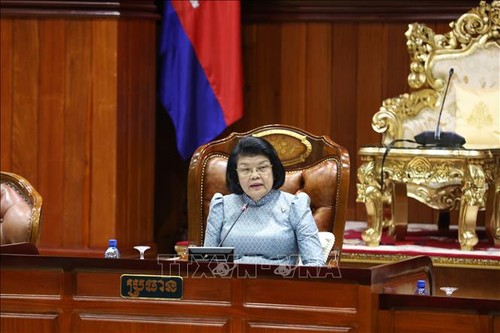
275,230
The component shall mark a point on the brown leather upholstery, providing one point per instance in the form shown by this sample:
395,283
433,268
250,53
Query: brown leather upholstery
314,164
20,210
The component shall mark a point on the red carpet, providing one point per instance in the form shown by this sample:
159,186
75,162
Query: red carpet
421,239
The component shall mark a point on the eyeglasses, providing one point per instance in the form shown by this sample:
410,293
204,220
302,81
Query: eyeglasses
261,170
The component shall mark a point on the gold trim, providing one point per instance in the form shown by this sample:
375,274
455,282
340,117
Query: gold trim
375,258
459,179
301,138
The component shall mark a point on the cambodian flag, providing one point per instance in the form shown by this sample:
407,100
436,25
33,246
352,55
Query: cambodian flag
201,80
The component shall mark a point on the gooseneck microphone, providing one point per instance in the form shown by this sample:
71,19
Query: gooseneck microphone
437,134
438,138
245,206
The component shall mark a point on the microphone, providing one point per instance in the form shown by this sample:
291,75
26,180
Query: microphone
438,138
245,206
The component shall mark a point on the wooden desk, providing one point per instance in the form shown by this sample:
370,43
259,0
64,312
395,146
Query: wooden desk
430,314
440,178
61,294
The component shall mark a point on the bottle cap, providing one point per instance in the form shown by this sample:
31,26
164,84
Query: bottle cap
112,243
421,284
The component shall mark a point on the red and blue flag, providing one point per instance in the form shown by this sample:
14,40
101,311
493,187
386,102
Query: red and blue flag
201,80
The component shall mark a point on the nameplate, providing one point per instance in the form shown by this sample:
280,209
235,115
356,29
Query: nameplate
151,286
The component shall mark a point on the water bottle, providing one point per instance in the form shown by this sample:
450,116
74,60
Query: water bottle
112,251
421,289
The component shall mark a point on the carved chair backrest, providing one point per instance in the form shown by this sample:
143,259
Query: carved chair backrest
20,210
471,107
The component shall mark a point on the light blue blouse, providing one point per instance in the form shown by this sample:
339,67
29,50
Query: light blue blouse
275,230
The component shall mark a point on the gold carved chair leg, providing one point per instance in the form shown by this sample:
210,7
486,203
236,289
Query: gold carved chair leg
370,194
473,197
493,212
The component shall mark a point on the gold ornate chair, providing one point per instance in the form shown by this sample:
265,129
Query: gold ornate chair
20,210
314,164
465,178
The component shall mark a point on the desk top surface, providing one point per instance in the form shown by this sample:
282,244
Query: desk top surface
478,151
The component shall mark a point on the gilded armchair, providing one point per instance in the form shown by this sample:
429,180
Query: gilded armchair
465,178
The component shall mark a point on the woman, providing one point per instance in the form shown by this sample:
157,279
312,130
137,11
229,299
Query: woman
264,224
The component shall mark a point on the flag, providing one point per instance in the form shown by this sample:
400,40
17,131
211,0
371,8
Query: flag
201,80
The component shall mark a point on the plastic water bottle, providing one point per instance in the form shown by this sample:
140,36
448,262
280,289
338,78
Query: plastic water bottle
421,288
112,251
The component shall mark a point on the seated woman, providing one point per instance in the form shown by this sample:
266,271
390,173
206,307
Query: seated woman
264,224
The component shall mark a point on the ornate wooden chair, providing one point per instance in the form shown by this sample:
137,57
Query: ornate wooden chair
314,164
20,210
443,177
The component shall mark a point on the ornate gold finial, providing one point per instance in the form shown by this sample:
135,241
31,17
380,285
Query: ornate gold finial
480,24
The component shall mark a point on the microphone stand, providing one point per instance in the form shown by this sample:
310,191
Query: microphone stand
444,139
245,206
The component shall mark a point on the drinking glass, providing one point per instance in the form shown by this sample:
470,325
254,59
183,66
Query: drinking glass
449,290
142,250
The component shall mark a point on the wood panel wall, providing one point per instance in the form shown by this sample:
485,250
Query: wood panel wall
78,102
77,118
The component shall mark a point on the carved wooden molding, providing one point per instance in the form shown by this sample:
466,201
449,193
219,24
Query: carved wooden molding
354,10
117,8
258,10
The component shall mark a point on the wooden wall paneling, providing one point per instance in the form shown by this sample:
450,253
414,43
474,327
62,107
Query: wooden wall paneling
170,187
486,323
343,95
103,132
397,60
318,80
136,105
146,134
262,76
71,73
126,124
496,324
77,130
249,38
25,71
51,128
6,92
123,123
293,74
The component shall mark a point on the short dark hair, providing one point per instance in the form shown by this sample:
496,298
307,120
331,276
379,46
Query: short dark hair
252,146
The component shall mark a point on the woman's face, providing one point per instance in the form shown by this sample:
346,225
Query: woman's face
255,174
